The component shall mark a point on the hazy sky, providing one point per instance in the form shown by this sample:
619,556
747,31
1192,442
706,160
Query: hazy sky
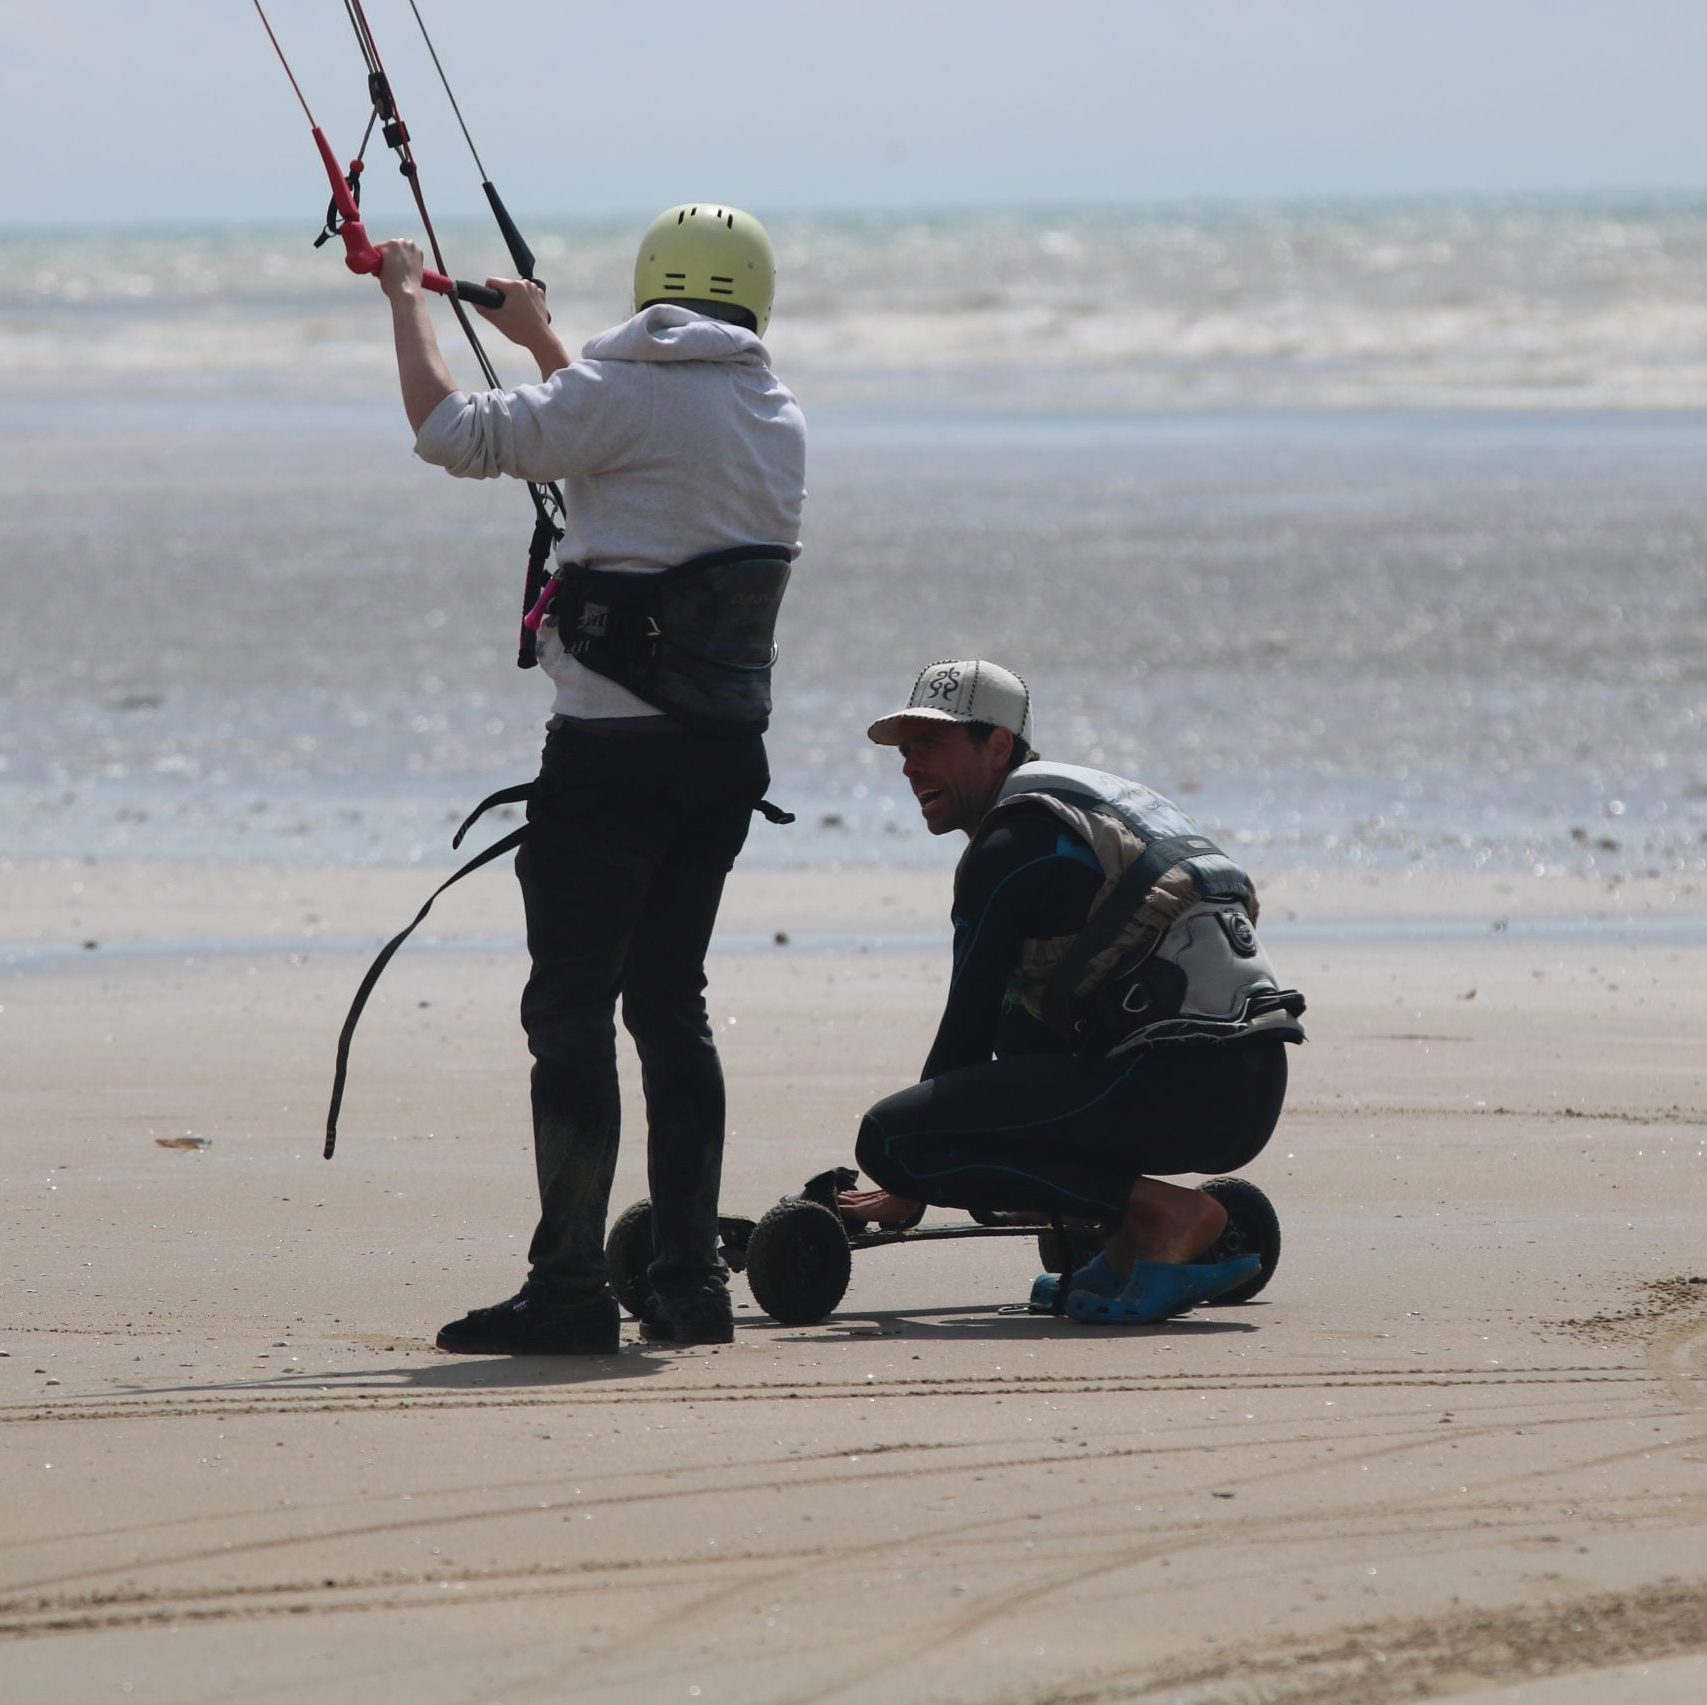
176,110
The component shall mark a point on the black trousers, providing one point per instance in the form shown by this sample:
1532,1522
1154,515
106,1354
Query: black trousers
632,834
1069,1136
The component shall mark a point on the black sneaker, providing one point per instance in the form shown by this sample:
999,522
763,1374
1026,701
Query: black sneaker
702,1315
531,1325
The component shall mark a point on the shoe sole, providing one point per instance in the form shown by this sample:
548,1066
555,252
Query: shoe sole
506,1347
1094,1310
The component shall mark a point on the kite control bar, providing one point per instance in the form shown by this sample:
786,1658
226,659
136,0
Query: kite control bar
343,220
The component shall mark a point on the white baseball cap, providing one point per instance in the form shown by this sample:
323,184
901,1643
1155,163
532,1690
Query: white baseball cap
969,691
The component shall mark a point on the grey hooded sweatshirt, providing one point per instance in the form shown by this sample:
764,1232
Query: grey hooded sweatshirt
670,436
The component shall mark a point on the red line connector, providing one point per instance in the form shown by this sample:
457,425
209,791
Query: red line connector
359,253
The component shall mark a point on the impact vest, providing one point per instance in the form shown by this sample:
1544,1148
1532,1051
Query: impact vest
1169,950
696,641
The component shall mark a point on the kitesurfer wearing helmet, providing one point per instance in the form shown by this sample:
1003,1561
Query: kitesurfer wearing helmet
1111,1014
682,459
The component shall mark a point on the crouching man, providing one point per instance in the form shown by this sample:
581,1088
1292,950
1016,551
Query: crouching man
1111,1014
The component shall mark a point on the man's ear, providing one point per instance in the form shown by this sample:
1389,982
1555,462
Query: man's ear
1002,747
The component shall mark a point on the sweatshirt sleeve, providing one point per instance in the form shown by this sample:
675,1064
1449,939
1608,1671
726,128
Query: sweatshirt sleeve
586,418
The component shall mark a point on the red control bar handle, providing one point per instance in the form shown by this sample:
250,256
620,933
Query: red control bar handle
361,256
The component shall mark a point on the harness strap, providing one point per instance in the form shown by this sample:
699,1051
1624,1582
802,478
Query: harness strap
505,796
516,795
1106,922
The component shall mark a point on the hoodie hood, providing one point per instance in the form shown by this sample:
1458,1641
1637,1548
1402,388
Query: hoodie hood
665,332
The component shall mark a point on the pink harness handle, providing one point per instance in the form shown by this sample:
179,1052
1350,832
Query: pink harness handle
541,605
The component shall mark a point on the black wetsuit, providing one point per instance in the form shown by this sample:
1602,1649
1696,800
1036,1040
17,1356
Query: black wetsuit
1037,1126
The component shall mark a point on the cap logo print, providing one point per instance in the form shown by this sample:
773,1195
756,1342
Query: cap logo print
945,684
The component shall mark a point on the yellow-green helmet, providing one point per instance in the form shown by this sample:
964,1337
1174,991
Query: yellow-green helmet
703,252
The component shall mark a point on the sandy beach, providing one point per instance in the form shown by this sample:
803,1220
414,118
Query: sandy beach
1458,1448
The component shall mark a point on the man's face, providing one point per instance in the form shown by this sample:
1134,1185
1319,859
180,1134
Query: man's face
954,779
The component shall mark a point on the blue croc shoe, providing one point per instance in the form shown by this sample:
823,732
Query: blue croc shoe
1155,1290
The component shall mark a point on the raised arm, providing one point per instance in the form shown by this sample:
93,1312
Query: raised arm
421,370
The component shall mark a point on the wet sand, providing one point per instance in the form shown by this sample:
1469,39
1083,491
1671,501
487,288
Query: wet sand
1458,1448
1337,639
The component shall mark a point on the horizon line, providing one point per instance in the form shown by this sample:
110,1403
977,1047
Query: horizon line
1291,202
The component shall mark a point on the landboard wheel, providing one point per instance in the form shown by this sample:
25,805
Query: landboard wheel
1083,1243
628,1253
1253,1228
799,1262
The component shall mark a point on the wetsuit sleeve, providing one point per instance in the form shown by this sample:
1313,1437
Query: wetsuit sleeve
586,418
1025,877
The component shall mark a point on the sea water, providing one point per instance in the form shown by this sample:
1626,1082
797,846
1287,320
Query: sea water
1373,534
